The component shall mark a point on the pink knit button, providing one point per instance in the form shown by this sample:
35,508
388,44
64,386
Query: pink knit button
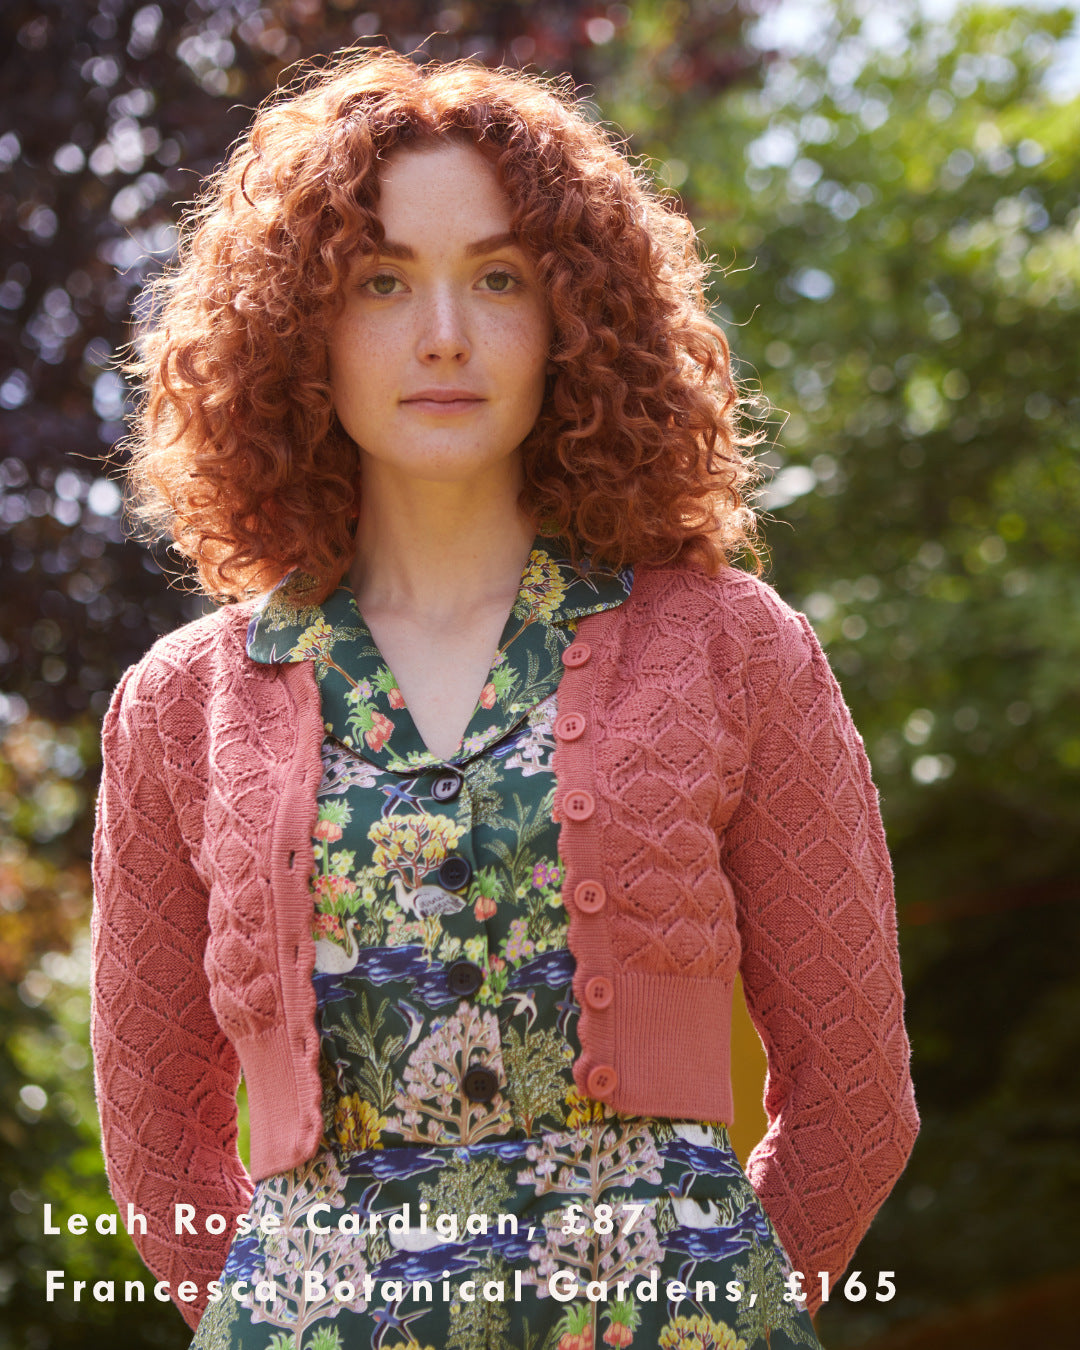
599,992
569,726
601,1081
576,654
590,897
579,804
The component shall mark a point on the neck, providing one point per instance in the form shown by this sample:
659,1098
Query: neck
434,550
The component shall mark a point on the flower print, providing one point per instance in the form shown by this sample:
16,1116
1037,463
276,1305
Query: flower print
357,1124
314,642
472,745
379,732
327,926
584,1111
363,688
395,698
623,1318
518,944
698,1333
487,696
484,908
328,831
542,588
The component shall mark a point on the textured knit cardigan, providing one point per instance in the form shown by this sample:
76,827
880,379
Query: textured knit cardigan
733,827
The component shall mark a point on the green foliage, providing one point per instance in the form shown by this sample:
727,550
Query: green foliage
901,231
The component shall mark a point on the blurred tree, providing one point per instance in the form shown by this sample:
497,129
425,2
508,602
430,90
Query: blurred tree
899,210
110,113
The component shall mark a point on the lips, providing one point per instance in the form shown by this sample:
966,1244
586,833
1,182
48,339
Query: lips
443,396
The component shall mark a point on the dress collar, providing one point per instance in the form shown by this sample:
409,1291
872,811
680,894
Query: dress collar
362,705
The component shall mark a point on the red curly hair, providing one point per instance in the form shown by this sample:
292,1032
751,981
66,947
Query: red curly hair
237,453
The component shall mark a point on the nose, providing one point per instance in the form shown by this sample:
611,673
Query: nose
443,332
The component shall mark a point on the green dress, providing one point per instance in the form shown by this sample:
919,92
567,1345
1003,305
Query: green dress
465,1194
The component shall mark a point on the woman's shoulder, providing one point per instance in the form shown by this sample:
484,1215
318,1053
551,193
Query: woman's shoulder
733,601
191,658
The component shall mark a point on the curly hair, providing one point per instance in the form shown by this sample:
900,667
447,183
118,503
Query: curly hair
237,453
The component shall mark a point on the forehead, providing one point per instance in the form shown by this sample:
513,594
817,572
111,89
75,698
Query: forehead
443,187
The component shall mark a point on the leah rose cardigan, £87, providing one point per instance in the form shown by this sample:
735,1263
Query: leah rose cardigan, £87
718,800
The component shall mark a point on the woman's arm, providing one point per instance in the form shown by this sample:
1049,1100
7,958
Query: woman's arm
806,853
165,1074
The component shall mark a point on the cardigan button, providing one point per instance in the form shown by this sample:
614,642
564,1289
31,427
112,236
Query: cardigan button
599,992
590,897
576,654
579,804
569,726
480,1083
455,873
464,979
601,1081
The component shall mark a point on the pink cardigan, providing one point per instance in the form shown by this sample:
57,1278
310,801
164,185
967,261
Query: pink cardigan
717,815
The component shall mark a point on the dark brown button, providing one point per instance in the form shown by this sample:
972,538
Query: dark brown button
599,992
455,873
464,979
446,787
590,897
569,726
601,1081
480,1083
579,804
576,654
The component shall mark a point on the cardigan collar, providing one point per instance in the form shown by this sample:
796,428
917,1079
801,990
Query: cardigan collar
363,707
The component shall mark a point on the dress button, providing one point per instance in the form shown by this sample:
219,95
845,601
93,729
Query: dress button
569,726
601,1081
576,654
579,804
599,992
590,897
446,787
464,979
455,873
480,1084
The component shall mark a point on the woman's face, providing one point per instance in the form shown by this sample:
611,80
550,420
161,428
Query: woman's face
438,359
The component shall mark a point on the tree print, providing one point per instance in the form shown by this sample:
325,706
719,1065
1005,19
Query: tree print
293,1248
762,1274
371,1057
435,1109
586,1166
215,1330
536,1065
412,846
469,1185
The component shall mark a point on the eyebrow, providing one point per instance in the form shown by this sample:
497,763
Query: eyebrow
388,249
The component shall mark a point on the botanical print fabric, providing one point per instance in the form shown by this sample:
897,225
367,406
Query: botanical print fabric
457,1149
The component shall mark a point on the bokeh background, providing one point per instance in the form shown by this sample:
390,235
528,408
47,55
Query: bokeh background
892,196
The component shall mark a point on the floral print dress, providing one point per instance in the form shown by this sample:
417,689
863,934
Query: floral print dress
465,1194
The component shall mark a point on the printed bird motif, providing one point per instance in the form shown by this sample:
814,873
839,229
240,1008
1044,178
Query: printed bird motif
387,1320
427,900
413,1021
524,1002
332,959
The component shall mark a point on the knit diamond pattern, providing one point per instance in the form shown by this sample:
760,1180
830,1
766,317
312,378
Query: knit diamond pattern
199,751
737,828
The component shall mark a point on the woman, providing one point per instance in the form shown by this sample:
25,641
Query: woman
433,379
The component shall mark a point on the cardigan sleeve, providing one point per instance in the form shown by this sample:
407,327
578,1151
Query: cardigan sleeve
806,854
165,1074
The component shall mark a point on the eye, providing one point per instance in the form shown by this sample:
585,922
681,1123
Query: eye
501,281
382,283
